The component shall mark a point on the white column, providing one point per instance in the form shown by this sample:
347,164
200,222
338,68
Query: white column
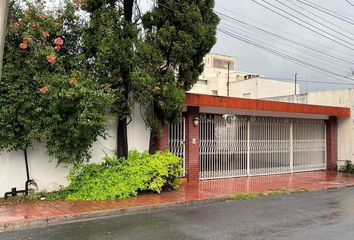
4,6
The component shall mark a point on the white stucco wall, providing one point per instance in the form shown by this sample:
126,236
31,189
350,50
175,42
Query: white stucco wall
339,98
45,171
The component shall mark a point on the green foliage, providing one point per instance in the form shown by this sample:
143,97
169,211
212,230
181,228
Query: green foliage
348,167
46,93
245,195
122,178
177,35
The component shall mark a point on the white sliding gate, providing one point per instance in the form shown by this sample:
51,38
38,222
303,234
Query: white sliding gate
232,146
177,141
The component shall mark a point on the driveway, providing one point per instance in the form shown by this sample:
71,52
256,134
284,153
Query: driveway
313,215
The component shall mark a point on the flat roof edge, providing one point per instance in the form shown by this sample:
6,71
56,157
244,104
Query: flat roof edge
203,100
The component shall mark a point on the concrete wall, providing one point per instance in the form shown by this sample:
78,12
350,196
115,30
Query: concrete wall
45,171
339,98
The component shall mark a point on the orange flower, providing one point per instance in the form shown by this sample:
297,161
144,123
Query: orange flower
42,17
44,90
23,46
73,82
59,41
35,25
51,59
45,34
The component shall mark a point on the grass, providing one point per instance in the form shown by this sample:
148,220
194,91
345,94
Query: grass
272,193
285,191
245,195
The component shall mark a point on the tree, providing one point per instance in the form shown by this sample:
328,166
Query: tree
178,34
109,45
45,91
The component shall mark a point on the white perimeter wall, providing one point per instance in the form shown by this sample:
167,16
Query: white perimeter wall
45,171
345,138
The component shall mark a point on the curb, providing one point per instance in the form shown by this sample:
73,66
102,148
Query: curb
57,220
100,214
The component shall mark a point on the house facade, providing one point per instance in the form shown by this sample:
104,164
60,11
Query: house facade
219,137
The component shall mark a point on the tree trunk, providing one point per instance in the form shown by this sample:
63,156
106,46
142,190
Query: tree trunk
152,143
122,133
122,138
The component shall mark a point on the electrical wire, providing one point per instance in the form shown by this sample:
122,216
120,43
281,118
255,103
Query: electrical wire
284,38
304,26
327,11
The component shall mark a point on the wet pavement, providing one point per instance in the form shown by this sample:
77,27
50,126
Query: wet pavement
48,212
313,215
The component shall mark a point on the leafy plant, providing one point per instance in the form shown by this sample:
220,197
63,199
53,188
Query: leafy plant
122,178
348,167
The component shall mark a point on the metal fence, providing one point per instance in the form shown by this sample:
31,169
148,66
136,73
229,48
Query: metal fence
232,146
176,143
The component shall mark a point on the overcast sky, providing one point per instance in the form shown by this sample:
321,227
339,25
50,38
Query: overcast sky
252,59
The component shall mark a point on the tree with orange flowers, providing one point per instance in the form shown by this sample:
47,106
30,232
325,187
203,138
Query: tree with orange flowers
45,92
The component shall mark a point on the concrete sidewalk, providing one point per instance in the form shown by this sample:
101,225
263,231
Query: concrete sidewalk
44,213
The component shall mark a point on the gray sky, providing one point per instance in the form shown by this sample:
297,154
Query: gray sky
252,59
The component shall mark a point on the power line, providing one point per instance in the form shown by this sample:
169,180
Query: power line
284,38
282,55
304,26
352,4
318,22
284,47
285,32
327,11
318,16
285,56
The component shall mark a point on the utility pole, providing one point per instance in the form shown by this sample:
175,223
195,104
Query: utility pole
295,82
4,8
228,78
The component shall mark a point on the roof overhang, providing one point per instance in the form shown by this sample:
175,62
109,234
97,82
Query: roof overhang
253,107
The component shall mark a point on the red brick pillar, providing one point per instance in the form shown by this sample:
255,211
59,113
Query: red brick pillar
163,139
331,142
192,145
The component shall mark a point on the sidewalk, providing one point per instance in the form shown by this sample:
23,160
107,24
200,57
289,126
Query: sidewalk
44,213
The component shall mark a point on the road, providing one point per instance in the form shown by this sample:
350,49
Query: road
313,215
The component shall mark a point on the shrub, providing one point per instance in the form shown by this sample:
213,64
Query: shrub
348,167
122,178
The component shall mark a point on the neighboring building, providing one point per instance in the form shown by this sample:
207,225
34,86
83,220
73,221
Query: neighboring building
219,68
336,98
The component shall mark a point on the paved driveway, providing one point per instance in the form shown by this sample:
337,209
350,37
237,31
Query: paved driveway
314,215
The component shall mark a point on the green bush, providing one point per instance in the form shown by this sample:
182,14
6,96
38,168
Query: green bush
348,167
122,178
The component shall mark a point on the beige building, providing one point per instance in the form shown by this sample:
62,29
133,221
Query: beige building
221,69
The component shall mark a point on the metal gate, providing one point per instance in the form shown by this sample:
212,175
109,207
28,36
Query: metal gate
177,141
232,146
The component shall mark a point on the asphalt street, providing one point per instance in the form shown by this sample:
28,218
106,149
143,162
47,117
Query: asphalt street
325,215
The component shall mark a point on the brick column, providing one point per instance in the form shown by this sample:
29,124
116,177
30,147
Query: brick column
331,143
163,139
192,145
